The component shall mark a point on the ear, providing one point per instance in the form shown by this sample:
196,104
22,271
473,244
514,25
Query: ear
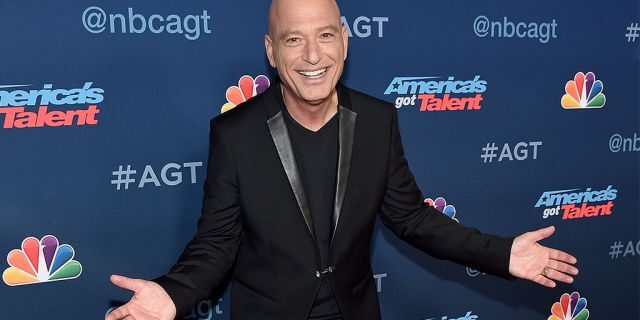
268,45
345,41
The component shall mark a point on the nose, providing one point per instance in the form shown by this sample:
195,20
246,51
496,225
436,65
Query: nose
312,52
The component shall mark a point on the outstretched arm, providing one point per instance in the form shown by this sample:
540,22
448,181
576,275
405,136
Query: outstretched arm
433,232
403,211
206,259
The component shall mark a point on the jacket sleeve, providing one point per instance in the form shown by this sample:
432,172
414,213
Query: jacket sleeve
207,258
403,211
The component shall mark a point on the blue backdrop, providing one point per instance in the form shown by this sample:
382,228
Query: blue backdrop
92,91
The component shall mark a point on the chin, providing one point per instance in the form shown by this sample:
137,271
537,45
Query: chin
316,92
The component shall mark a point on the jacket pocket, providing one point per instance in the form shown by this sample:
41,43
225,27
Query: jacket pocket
245,287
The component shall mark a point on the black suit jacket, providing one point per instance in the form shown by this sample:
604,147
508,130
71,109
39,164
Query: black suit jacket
255,214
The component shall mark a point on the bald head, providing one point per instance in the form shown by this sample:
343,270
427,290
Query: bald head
281,9
307,44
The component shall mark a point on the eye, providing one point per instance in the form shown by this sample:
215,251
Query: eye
293,40
327,35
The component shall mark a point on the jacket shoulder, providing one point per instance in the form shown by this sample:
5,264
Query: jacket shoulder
362,102
245,114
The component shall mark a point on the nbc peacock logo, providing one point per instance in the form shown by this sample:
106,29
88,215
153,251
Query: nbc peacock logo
43,260
246,89
570,307
441,205
583,92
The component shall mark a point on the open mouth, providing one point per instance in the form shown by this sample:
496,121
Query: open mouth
315,74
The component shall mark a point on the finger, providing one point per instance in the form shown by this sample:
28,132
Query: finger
540,279
562,267
126,283
558,276
542,233
118,314
129,317
562,256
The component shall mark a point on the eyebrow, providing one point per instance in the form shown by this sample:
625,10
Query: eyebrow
289,32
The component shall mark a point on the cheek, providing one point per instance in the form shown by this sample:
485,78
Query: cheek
282,60
335,51
286,62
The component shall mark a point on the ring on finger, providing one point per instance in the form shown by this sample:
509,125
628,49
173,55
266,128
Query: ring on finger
545,271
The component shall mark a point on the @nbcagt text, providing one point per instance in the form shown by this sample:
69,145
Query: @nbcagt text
96,20
503,28
618,143
170,174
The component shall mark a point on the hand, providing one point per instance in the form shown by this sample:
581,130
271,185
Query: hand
149,302
540,264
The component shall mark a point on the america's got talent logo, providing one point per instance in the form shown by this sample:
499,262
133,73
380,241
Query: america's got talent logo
438,93
578,203
24,107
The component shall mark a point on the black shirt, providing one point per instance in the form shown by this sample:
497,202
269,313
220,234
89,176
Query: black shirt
317,157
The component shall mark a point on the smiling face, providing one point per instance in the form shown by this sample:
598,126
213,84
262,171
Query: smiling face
308,45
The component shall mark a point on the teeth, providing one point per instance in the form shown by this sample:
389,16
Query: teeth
313,74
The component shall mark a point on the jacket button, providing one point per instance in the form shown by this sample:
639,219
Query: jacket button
318,274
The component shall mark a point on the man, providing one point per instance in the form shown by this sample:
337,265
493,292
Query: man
295,179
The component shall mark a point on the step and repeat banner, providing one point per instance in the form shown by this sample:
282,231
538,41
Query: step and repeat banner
514,116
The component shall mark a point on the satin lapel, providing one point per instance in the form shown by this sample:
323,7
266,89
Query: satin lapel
280,136
346,136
